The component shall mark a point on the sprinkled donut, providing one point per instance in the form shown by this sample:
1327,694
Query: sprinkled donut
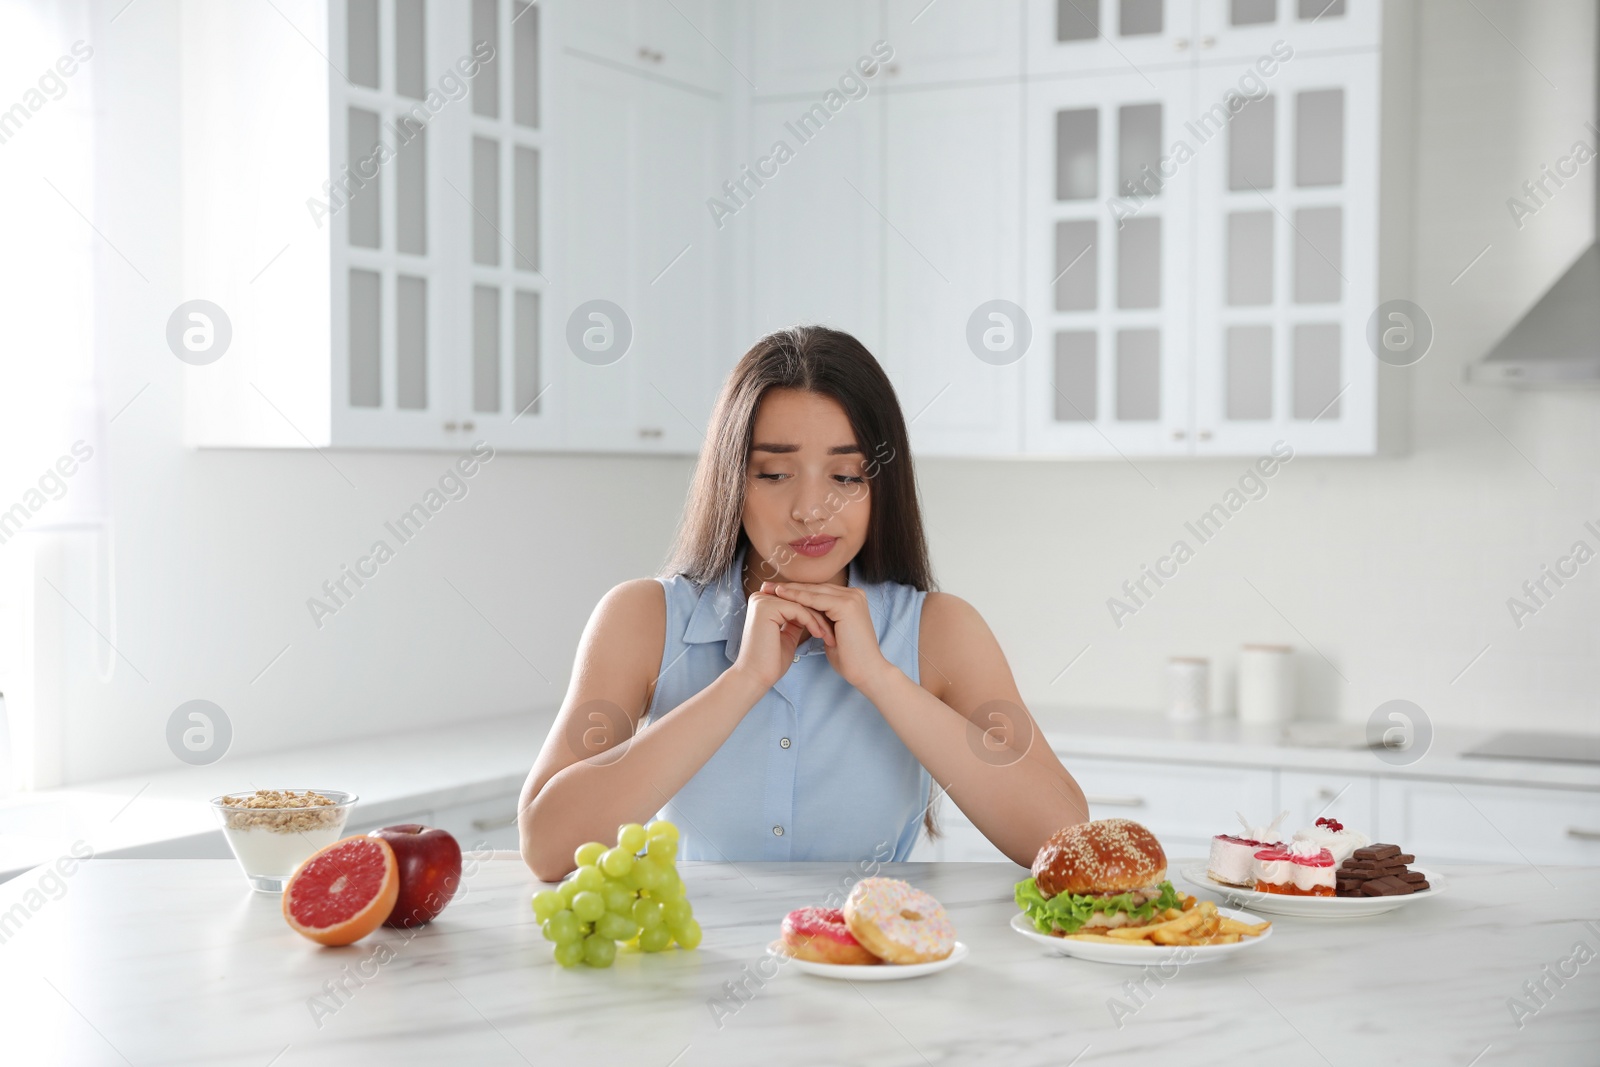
898,923
820,935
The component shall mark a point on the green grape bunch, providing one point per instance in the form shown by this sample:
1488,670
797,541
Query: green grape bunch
630,893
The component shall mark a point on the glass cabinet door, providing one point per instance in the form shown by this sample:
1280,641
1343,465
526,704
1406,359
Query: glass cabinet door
392,373
1246,29
1286,262
1108,36
1107,257
504,331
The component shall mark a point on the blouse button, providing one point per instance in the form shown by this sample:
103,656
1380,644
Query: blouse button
784,743
777,831
797,657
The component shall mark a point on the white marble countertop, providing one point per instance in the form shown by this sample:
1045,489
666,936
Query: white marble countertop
178,962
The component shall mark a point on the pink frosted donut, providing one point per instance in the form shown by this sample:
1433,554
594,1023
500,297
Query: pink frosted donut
820,935
898,923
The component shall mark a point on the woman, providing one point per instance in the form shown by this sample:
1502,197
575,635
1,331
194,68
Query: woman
790,689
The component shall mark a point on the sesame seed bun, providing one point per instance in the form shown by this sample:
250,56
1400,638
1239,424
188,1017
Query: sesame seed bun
1104,856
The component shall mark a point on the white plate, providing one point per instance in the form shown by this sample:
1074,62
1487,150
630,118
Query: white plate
1312,907
1141,953
882,972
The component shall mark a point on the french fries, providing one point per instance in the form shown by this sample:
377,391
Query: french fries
1198,923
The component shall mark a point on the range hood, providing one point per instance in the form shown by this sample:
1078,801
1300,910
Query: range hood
1558,342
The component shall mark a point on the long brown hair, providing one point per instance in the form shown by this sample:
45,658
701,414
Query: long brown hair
829,363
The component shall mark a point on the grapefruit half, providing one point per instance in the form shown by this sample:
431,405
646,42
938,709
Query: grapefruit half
344,891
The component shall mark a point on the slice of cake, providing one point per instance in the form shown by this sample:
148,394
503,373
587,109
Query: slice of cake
1300,869
1332,835
1232,860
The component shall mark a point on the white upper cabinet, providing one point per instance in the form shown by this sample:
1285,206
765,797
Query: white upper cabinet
1245,29
806,46
682,335
556,225
1109,239
1117,36
636,374
384,268
679,40
953,40
810,238
1286,262
504,326
953,245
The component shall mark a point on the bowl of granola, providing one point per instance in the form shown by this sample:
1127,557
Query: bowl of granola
272,830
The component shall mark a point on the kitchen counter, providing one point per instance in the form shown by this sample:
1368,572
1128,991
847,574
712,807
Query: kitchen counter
177,961
1310,746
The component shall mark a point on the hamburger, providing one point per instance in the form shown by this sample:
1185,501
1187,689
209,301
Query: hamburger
1097,875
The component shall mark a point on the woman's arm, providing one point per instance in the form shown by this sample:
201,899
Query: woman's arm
594,773
967,725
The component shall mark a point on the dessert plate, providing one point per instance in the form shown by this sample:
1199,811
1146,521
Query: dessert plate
1142,953
1312,907
882,972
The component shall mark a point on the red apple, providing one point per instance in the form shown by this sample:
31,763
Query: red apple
430,871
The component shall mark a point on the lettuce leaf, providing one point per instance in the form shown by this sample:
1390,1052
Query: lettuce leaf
1067,912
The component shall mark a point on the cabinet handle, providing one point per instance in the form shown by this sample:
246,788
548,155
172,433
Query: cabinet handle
1177,435
450,427
1181,43
498,822
469,425
1582,834
1204,435
1326,794
650,55
649,431
892,69
1116,800
1208,41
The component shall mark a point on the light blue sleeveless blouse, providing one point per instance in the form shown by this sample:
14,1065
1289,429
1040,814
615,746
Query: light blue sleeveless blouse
813,771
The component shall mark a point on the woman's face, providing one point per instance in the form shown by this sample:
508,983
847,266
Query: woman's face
806,484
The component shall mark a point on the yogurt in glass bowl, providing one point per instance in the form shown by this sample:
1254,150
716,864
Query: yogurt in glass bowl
272,830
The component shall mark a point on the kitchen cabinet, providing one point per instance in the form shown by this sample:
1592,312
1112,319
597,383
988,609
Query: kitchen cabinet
421,816
1184,805
1286,254
641,239
1110,291
1469,822
1191,282
805,46
1229,30
675,40
1194,284
959,841
950,167
811,239
1309,796
483,824
953,40
1083,36
373,226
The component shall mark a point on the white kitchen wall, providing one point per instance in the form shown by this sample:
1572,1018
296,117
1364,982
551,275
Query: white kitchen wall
1397,570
